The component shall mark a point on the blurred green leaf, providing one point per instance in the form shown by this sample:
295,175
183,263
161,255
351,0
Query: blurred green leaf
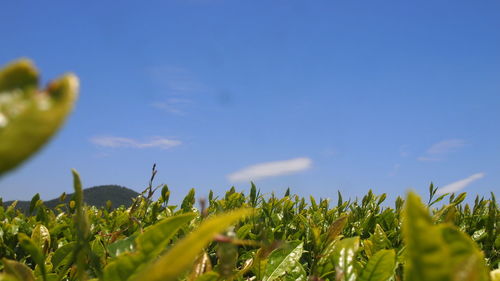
28,117
18,270
495,275
209,276
438,252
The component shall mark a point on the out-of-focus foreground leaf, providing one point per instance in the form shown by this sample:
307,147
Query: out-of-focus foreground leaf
438,252
495,275
29,117
17,271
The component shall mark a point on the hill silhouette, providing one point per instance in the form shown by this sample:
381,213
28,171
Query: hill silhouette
94,196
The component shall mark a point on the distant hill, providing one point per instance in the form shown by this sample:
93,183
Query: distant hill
94,196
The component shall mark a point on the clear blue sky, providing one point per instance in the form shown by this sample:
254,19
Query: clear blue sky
318,96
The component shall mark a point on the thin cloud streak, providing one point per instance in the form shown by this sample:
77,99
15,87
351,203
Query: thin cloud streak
439,150
271,169
158,142
461,184
429,159
179,87
172,105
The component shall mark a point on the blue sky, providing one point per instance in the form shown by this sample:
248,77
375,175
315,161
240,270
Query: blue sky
318,96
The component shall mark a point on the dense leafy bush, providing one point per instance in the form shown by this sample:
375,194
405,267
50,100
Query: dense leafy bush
263,238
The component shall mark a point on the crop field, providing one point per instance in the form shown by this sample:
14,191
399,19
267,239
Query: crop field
244,236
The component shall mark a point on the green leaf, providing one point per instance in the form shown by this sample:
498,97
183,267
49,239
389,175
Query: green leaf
154,238
466,260
8,277
81,224
36,253
201,266
335,229
18,270
283,261
188,202
41,237
380,267
181,256
495,275
62,256
209,276
33,202
379,239
148,245
344,258
28,117
337,260
18,75
438,252
122,246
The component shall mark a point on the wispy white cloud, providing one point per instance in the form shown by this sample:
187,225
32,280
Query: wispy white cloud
404,150
271,169
177,85
429,159
446,146
439,150
175,80
330,151
172,105
395,170
157,142
461,184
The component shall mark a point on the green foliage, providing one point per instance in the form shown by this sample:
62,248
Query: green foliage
438,252
280,239
146,247
28,116
94,196
182,255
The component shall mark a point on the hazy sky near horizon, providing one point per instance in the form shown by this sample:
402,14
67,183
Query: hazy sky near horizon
317,96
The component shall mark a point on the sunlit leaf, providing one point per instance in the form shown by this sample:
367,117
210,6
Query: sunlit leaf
148,245
380,267
41,237
283,263
182,255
